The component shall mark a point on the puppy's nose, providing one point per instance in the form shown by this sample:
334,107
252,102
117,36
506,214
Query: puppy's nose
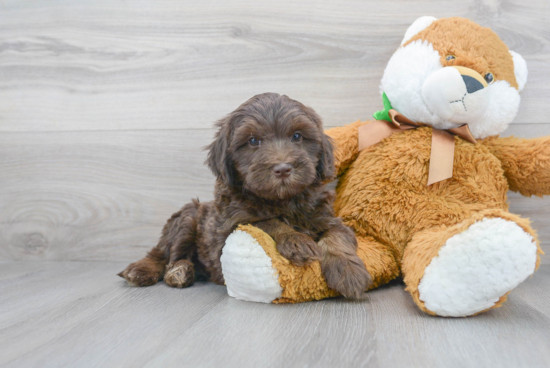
282,170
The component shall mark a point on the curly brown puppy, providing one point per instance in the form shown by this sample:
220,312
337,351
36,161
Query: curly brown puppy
272,160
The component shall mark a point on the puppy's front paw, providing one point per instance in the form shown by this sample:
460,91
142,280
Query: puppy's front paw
298,248
144,272
348,276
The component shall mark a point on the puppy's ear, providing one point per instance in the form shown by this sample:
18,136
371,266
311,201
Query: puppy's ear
219,158
325,165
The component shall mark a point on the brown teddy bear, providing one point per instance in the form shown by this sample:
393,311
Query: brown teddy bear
424,186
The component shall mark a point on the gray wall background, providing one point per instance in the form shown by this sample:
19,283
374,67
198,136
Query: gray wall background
105,105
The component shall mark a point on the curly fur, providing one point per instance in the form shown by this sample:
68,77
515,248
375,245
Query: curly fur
296,210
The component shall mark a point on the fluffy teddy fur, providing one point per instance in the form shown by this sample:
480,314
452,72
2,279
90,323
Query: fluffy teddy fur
458,249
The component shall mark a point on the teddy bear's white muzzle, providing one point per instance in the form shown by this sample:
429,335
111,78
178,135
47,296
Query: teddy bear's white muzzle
457,98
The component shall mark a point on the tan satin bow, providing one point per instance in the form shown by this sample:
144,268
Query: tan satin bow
443,142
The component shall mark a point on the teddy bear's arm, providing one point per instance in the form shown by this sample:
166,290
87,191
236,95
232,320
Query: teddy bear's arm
346,144
526,163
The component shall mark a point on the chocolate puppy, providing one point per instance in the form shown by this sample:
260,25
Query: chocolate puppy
272,160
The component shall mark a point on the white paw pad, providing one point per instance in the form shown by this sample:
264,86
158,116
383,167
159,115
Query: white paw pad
477,267
247,269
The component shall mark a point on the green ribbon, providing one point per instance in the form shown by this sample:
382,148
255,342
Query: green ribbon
384,114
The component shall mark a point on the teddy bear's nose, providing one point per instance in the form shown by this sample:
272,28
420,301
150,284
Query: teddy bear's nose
472,84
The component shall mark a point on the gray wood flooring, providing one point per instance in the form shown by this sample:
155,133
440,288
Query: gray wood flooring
104,108
79,314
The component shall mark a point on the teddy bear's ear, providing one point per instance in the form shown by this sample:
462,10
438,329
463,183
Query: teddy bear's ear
419,25
520,69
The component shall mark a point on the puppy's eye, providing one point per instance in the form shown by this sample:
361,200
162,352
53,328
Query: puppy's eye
254,142
450,57
489,78
296,137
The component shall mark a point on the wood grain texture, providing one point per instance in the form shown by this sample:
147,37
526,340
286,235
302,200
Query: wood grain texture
95,195
105,105
105,195
79,314
164,64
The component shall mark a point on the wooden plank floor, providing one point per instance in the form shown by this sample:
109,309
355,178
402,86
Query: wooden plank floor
80,314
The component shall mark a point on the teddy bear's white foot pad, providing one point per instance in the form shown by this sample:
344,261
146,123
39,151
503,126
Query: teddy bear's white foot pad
248,271
477,267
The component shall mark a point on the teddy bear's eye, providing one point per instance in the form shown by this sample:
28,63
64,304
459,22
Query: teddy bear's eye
489,78
450,57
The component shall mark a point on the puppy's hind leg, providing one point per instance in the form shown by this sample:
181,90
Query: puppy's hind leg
180,274
180,271
147,271
176,245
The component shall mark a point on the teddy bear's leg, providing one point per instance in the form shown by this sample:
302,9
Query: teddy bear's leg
470,267
254,270
247,269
